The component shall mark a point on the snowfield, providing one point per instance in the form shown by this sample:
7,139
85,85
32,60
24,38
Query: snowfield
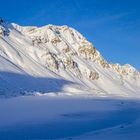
54,84
46,117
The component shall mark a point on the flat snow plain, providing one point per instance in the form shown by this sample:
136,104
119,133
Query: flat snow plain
61,117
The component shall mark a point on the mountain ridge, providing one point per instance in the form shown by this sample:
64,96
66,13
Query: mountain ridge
62,52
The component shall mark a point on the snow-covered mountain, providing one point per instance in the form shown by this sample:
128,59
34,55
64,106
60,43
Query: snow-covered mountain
59,60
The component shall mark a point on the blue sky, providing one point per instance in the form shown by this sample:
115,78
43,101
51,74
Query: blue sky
112,25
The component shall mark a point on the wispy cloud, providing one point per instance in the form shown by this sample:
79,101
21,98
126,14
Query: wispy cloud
101,20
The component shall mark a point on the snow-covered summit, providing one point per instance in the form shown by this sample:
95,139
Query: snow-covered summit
62,52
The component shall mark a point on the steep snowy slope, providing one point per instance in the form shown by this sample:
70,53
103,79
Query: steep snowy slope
63,55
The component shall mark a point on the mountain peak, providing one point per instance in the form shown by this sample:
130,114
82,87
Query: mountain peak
1,20
62,52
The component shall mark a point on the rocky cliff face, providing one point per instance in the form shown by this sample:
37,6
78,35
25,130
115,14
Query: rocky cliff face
65,52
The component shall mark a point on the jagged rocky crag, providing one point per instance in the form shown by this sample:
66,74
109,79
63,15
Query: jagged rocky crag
62,52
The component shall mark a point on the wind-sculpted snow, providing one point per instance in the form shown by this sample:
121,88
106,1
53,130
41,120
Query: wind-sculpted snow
60,52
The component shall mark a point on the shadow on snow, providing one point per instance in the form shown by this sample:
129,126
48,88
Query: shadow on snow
14,84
